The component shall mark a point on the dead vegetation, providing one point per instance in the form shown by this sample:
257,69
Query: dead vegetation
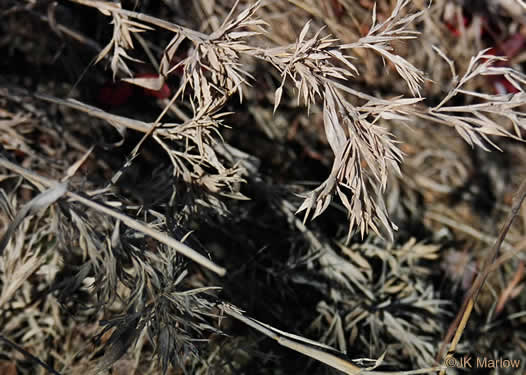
180,181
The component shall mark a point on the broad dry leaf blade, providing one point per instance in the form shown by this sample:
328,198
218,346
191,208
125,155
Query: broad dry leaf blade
41,201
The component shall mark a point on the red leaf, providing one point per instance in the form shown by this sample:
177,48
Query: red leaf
163,93
114,94
502,86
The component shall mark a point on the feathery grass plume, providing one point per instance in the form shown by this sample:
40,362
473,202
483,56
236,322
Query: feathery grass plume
213,72
364,151
121,40
397,308
332,94
476,122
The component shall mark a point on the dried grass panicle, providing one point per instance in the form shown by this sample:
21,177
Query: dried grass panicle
121,41
343,92
364,152
476,122
395,307
147,281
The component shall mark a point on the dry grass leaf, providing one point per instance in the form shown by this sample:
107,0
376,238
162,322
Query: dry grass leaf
17,267
40,202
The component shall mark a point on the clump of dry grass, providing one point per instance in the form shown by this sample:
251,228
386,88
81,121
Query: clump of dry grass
372,101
